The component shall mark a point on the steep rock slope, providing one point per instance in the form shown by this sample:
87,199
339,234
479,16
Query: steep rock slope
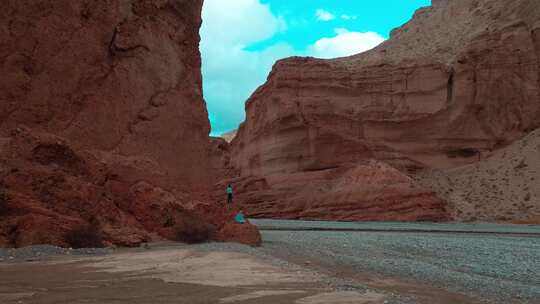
460,79
503,187
102,120
109,76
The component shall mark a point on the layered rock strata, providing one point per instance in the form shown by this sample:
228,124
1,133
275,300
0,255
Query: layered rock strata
461,79
369,191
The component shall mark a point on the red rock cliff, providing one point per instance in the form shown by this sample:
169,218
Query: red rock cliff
118,76
101,119
461,78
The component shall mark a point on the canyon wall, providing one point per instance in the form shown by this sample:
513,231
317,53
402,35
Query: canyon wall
102,120
458,81
115,76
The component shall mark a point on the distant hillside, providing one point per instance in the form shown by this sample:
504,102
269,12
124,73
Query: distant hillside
229,136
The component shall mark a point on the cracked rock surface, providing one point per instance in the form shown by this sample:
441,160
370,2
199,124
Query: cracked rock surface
102,121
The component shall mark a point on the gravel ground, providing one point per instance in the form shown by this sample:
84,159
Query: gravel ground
36,253
498,269
398,226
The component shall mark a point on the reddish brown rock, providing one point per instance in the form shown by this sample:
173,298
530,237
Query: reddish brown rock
220,159
462,78
240,233
115,76
222,216
101,120
368,191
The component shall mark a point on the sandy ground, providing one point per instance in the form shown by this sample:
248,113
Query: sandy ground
167,276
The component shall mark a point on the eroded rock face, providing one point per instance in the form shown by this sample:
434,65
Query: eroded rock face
459,80
116,76
368,191
101,119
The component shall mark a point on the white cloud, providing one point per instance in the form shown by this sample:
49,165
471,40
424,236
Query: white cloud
238,22
230,72
348,17
323,15
345,43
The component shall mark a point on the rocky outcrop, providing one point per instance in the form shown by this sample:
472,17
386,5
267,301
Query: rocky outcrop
459,80
102,120
367,191
219,160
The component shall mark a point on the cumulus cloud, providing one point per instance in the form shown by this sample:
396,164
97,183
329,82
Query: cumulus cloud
323,15
238,22
345,43
230,72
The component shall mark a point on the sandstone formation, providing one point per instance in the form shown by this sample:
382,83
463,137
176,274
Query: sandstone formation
461,79
219,160
367,191
102,120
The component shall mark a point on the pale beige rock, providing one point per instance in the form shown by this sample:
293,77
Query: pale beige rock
344,297
229,136
223,269
504,186
259,294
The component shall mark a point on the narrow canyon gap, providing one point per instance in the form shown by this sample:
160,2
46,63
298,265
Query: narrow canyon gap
102,120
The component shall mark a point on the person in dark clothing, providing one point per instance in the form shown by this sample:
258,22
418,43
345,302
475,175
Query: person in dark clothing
229,194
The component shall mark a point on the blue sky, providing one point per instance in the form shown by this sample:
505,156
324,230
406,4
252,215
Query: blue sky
241,40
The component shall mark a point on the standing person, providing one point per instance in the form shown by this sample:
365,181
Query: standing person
229,194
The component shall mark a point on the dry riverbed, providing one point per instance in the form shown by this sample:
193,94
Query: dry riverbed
297,267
